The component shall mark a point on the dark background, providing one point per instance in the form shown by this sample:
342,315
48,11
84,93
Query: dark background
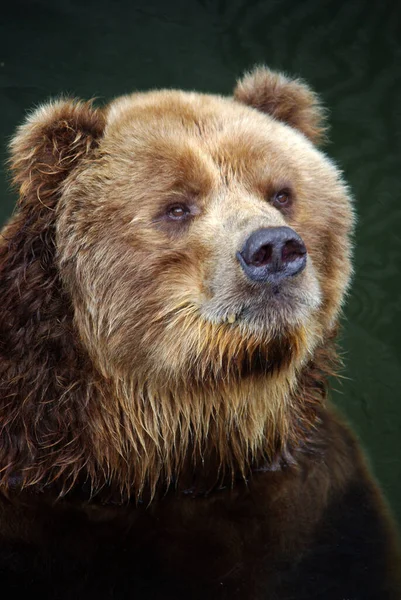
349,52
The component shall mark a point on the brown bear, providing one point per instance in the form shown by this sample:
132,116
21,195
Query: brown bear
170,288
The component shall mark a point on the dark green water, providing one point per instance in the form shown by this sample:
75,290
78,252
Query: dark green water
350,52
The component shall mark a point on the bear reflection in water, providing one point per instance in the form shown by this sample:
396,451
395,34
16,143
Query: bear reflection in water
170,288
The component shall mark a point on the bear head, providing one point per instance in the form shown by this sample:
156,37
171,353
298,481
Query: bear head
172,276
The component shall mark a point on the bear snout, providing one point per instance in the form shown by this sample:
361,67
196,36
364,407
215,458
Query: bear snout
272,254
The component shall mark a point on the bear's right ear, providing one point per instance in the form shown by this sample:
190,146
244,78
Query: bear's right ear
50,144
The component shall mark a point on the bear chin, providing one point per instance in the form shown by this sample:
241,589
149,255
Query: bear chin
266,312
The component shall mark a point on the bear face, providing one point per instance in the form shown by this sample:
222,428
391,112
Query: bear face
149,215
182,181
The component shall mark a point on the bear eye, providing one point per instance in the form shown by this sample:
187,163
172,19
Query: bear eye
178,212
282,198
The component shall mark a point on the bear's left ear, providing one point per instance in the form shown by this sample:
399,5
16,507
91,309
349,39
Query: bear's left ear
288,100
50,144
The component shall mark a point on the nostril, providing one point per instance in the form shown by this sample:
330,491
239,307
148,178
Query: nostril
292,249
262,256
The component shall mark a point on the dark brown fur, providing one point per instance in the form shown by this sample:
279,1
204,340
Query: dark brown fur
45,377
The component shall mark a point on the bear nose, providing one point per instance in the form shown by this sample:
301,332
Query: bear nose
272,254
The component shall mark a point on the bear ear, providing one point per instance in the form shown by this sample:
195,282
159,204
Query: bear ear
50,144
288,100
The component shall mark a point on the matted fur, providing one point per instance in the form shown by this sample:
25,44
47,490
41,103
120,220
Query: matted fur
120,364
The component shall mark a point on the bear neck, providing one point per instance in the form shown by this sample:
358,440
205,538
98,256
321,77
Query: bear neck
125,441
199,438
